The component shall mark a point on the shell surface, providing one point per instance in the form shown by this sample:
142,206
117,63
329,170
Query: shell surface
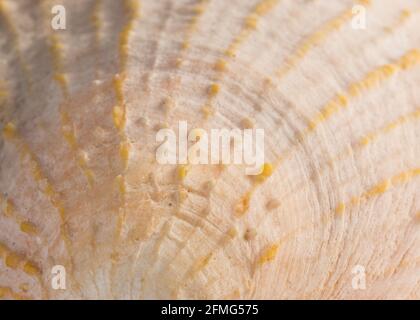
339,195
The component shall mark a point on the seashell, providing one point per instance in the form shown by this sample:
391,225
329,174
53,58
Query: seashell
87,212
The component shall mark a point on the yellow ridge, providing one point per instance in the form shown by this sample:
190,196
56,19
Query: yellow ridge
6,292
379,189
10,212
16,261
10,133
369,138
70,137
317,38
249,26
372,79
15,42
199,10
268,254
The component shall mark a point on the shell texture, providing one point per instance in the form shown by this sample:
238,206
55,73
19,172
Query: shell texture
81,188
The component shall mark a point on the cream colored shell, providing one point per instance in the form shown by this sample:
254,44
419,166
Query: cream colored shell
80,186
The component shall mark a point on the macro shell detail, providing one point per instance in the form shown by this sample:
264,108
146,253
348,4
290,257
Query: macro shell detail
80,187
